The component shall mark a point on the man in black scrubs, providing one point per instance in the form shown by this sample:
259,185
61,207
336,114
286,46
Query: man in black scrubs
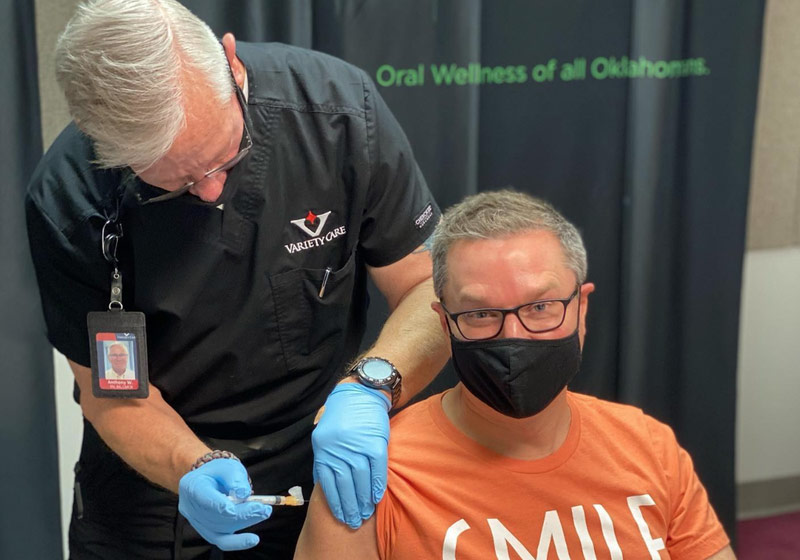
237,195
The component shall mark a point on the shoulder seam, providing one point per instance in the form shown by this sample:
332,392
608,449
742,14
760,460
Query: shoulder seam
313,108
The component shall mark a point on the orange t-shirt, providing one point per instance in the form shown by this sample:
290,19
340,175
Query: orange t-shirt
619,487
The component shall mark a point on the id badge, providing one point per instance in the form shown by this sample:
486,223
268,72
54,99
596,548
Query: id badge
118,350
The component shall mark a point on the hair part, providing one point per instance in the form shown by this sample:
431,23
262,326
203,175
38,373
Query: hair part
126,66
498,214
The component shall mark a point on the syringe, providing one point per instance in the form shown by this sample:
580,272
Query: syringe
295,498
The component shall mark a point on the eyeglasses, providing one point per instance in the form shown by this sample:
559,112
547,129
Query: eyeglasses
117,355
245,146
537,317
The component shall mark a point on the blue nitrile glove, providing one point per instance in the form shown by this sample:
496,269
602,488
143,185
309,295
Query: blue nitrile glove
350,451
203,500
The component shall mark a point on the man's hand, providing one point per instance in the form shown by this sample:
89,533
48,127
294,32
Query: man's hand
203,500
350,451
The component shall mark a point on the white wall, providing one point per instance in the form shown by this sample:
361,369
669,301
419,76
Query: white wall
70,430
768,413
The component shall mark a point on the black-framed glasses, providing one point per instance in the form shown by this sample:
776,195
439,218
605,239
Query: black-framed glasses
244,148
537,317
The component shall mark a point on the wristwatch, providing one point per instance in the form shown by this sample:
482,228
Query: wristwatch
379,373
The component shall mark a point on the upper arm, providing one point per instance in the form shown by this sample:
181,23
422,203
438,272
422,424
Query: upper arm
724,554
93,407
324,537
83,376
395,280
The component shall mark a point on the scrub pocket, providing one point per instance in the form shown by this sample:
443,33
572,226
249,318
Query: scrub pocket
312,328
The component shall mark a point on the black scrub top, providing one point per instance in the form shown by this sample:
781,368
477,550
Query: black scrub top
240,343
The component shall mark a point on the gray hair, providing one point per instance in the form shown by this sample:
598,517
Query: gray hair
496,214
119,344
125,67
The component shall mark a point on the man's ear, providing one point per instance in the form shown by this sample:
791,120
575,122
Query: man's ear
586,289
437,306
237,67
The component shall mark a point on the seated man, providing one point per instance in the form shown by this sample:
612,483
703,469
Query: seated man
509,463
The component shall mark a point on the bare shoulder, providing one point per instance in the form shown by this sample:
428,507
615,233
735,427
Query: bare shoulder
323,537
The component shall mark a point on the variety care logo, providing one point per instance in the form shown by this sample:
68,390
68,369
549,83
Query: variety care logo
313,225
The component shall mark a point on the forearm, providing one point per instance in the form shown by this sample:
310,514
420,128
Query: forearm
413,340
147,433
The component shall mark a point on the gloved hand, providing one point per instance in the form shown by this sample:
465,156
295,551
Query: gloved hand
203,501
350,451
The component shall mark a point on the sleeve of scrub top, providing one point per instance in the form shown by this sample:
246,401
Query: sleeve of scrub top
401,212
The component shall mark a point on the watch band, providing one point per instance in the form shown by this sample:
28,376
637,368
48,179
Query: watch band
396,386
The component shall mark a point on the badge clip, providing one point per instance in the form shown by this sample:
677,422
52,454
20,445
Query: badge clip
117,339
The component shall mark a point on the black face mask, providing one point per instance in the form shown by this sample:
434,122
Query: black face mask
517,377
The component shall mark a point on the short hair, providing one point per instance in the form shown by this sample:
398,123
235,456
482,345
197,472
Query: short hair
498,214
124,67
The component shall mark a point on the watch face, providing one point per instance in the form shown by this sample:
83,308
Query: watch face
378,371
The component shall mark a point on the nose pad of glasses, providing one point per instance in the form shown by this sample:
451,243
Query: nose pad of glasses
513,328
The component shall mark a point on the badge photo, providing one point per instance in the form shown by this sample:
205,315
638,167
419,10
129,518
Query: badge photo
118,347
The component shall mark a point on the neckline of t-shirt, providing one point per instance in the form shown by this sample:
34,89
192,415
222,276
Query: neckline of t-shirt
488,456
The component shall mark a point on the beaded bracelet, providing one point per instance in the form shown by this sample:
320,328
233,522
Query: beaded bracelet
211,455
219,454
